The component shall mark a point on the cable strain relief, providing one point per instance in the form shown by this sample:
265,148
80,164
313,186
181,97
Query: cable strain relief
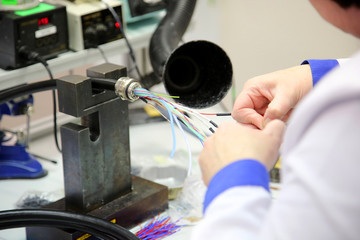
32,55
125,88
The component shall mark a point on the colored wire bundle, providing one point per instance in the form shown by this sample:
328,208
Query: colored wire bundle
170,109
179,115
158,228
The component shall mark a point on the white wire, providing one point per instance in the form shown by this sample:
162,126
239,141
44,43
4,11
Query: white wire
195,125
187,144
179,109
182,132
195,114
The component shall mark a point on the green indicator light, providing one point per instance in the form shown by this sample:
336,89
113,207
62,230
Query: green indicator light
8,2
42,7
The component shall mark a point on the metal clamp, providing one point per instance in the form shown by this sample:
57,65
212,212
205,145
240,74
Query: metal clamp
125,87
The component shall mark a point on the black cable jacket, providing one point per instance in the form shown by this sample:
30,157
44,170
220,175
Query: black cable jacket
26,89
223,114
55,120
60,219
103,83
46,65
214,124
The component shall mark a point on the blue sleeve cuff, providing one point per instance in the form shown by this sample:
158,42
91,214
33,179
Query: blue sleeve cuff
319,67
246,172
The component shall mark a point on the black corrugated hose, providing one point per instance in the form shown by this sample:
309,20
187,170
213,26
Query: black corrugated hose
199,72
169,32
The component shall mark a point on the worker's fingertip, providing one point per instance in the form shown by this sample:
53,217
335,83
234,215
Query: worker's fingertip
265,122
275,125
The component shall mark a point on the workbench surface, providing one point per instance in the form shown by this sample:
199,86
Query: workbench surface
149,140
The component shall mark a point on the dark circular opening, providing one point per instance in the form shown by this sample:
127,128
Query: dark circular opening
199,72
182,73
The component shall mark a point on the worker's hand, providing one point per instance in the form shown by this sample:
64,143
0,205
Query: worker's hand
272,96
234,141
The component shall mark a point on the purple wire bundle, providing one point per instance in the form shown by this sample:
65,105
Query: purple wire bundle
158,228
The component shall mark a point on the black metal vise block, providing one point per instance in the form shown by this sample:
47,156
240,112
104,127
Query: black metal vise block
96,153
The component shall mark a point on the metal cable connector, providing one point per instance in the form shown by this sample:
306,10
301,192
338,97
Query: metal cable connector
125,88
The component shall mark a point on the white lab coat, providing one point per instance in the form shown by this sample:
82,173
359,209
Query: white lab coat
320,189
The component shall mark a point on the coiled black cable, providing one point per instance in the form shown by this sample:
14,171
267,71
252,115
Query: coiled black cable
46,65
61,219
35,56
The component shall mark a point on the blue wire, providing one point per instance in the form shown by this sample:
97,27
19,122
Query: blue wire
171,122
172,128
201,141
166,230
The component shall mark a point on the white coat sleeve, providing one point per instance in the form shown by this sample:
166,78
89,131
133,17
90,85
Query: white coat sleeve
236,202
238,213
319,196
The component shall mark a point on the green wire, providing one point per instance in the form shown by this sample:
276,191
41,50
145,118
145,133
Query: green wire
162,95
178,113
175,111
188,125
